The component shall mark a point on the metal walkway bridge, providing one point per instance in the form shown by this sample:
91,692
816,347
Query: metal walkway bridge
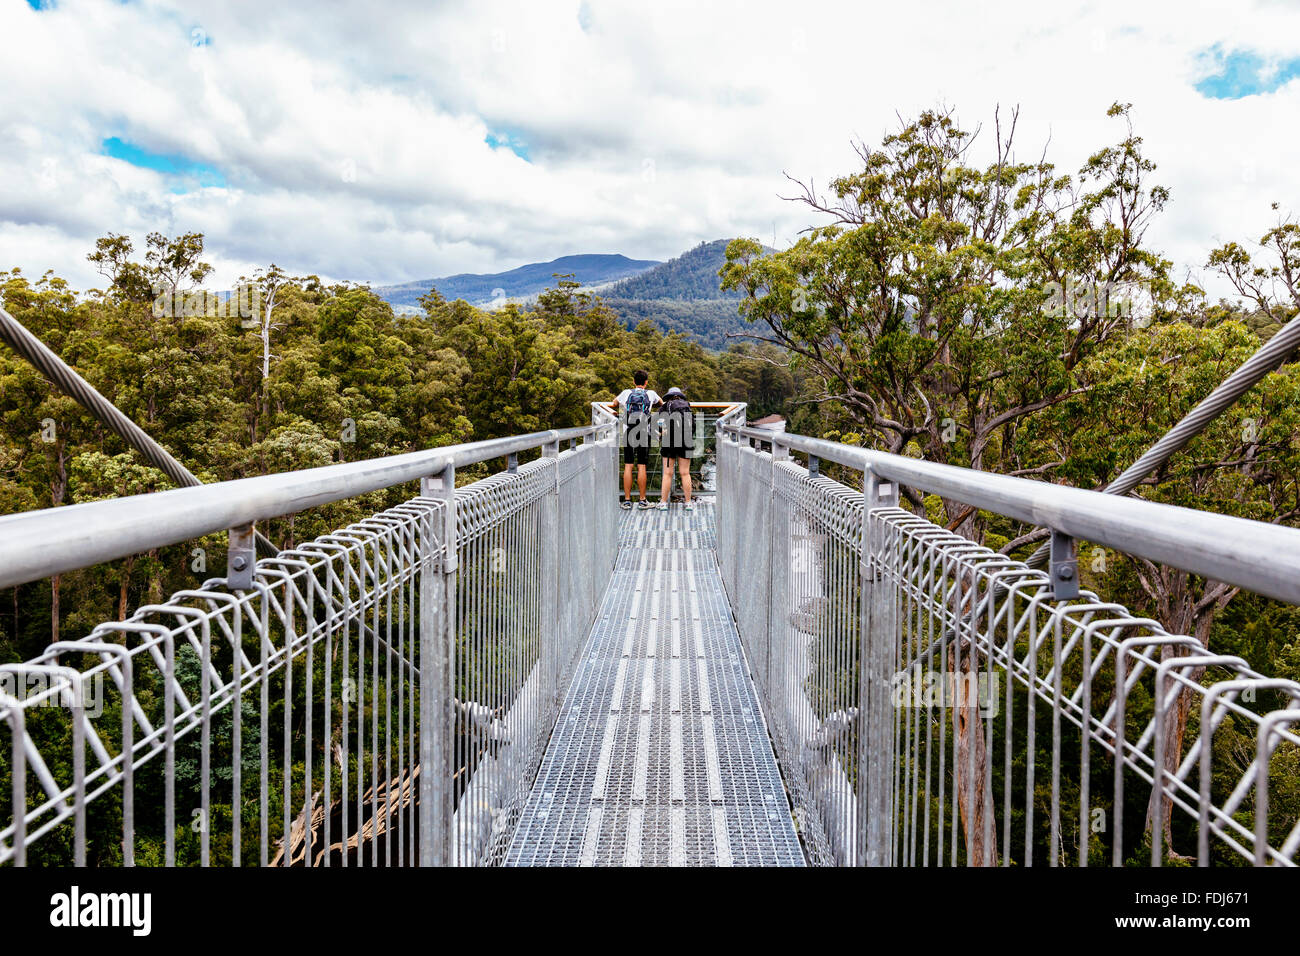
512,671
660,754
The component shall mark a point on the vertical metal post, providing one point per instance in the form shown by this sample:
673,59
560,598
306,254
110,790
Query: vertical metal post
779,598
550,560
878,623
437,669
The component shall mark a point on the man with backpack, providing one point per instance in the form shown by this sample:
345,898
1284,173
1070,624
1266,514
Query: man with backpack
676,443
634,405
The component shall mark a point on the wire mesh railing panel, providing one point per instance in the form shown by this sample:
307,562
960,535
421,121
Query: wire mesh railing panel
1028,730
502,684
283,724
790,543
204,729
932,703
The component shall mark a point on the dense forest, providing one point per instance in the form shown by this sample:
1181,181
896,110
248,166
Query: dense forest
1007,317
325,373
714,323
692,275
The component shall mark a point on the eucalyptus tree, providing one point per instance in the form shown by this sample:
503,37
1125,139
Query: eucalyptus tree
943,301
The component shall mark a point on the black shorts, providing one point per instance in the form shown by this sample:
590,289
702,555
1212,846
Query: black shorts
679,451
636,454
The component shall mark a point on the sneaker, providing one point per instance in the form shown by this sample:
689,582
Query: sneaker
625,505
643,504
688,509
663,506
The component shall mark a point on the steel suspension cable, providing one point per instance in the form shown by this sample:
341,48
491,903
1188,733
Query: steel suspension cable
44,360
1266,359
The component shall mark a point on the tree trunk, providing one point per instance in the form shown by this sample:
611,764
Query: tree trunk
1174,726
266,365
123,587
974,795
54,607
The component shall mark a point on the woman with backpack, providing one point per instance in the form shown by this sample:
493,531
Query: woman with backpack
676,443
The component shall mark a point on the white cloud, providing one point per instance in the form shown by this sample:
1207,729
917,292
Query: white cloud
352,143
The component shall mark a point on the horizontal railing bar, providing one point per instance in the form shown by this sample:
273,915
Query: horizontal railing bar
1260,557
40,544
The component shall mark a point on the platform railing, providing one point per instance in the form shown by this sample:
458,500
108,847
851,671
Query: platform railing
703,461
934,702
379,695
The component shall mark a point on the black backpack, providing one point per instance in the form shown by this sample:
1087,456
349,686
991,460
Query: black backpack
677,421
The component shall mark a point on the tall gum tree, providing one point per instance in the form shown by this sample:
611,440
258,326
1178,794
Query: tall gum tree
925,304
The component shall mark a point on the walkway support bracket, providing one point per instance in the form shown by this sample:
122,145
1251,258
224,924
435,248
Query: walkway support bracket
1064,568
241,558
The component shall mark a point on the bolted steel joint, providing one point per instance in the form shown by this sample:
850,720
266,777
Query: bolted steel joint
241,558
1064,567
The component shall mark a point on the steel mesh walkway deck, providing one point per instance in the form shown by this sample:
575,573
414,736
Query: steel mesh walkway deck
660,755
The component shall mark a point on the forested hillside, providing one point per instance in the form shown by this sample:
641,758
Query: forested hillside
692,275
711,322
682,295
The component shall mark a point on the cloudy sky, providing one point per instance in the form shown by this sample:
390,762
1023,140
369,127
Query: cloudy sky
438,138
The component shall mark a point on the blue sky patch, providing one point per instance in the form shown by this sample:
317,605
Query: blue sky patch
1241,73
508,139
187,174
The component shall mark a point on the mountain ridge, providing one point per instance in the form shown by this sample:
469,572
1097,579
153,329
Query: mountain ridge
526,280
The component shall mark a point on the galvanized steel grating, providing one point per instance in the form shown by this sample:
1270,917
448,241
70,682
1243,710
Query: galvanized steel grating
661,755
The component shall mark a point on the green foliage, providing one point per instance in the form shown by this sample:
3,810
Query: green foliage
683,295
711,322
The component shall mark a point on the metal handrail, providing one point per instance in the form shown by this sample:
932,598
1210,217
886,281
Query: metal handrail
40,544
1260,557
